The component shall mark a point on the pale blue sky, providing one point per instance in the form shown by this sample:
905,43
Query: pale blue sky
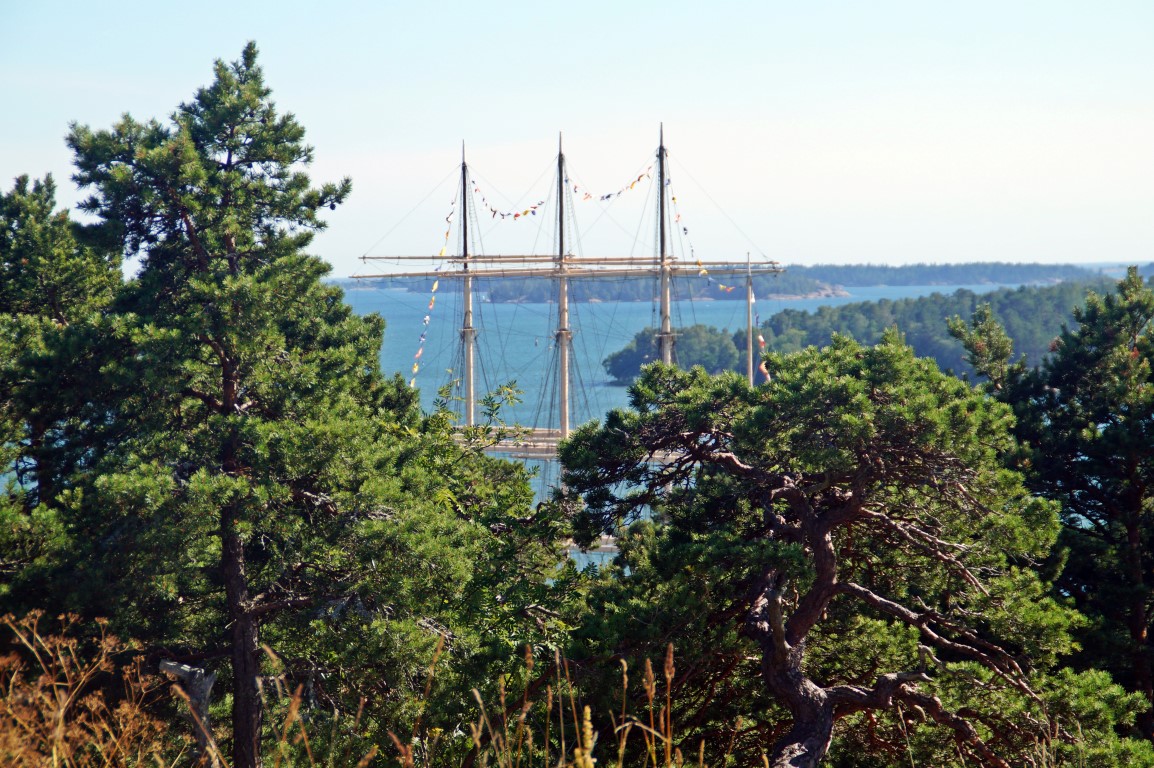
880,131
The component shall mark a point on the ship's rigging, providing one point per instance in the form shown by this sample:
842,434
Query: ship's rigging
563,267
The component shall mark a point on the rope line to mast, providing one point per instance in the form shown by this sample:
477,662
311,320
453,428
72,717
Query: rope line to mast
404,218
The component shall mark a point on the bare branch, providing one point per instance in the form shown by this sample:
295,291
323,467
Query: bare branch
204,397
928,544
277,605
964,732
988,655
853,698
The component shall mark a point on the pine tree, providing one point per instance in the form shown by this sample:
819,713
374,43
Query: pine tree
45,271
1087,420
52,288
846,535
241,476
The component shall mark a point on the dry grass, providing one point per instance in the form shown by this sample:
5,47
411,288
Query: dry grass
64,704
55,707
564,736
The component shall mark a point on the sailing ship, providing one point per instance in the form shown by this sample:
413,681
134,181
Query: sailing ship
563,267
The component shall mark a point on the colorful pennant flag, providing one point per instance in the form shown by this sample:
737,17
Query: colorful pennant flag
585,195
432,296
494,212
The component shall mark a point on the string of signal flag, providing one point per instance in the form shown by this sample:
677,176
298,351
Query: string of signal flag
514,215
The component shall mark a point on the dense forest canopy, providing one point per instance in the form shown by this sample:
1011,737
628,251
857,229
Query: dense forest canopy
1032,315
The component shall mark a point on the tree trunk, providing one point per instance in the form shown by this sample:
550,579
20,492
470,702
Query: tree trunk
246,704
45,472
807,741
1138,624
805,744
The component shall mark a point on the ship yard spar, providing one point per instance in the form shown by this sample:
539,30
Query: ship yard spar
562,267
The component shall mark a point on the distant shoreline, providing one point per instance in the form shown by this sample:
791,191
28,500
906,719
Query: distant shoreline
799,283
822,294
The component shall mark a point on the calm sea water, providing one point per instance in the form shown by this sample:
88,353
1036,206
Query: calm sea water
515,341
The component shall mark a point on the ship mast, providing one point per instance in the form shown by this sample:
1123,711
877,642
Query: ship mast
468,332
749,318
564,334
665,337
562,267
